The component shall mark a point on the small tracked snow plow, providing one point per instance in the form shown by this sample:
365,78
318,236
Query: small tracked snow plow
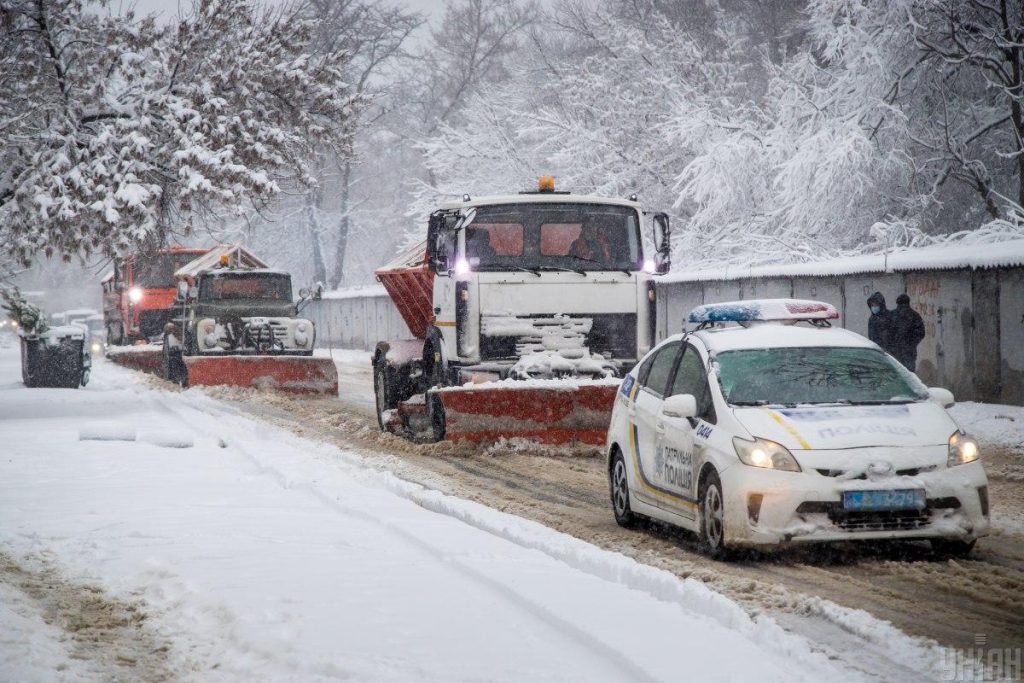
525,310
238,326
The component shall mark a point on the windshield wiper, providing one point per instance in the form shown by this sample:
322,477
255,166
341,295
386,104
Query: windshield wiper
882,402
535,271
600,263
565,270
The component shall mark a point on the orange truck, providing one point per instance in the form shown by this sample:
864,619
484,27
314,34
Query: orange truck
138,294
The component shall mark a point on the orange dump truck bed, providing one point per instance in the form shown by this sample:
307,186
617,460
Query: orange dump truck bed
410,284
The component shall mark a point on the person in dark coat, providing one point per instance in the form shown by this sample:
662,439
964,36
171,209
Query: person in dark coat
906,330
880,322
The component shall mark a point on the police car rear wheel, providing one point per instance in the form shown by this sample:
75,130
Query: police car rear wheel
624,516
712,517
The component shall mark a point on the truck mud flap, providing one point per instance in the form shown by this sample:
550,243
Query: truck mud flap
557,415
291,374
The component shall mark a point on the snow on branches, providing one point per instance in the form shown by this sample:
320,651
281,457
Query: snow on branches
115,130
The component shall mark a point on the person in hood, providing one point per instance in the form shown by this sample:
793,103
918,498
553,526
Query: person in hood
906,330
880,322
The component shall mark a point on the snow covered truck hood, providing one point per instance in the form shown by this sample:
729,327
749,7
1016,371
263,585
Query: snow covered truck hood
924,423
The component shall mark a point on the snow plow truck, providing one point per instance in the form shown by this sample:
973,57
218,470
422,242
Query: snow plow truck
238,325
138,294
526,310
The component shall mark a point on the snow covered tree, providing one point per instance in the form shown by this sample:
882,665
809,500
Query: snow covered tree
117,132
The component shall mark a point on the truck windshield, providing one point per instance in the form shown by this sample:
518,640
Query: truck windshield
262,286
554,236
816,374
156,271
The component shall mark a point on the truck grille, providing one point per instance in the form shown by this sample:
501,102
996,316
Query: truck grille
609,334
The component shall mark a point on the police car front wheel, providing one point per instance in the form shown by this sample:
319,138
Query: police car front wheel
712,517
624,516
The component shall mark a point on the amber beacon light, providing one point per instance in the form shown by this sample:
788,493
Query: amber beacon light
546,183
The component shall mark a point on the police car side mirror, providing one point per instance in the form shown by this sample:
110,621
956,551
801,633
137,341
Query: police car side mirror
680,406
944,397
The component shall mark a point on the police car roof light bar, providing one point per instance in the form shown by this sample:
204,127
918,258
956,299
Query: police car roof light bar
763,310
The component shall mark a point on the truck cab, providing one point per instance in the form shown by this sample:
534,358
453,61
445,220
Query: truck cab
543,284
240,311
138,293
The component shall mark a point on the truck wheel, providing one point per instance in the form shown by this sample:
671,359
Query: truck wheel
115,335
382,391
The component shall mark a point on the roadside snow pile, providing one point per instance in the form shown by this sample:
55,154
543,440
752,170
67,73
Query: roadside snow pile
31,649
106,432
992,423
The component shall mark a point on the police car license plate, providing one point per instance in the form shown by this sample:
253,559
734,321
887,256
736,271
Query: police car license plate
894,499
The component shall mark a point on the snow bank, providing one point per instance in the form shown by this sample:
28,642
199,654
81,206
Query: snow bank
992,423
934,257
32,650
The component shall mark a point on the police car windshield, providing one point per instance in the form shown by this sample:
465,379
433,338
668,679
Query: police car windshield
790,376
550,236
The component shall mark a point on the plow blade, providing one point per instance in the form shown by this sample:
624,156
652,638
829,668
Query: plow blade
556,415
292,374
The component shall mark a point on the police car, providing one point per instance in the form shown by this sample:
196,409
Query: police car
764,425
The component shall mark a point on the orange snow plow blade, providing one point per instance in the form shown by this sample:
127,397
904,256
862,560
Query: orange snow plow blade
562,414
292,374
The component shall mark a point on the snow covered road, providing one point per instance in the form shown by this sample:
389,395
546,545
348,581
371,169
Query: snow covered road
252,554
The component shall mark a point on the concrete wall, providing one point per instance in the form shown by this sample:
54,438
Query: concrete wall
974,320
356,322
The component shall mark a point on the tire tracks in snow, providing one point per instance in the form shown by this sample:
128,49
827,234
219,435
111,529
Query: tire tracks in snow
615,658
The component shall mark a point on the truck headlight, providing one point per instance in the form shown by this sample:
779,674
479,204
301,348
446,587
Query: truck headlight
962,449
135,294
301,327
301,338
766,454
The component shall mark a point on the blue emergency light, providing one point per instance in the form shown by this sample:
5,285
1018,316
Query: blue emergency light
763,310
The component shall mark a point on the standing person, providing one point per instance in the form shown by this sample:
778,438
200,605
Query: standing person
906,330
880,322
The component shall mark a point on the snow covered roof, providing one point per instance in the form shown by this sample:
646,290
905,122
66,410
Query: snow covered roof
935,257
238,256
539,198
778,335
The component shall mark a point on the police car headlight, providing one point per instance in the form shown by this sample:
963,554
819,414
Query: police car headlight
210,340
301,338
962,449
766,454
301,326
